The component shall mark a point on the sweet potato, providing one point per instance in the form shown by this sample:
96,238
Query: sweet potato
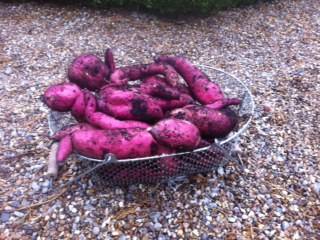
103,121
157,87
167,165
212,123
204,90
125,104
177,134
121,76
88,71
61,97
220,104
68,130
109,60
64,149
123,143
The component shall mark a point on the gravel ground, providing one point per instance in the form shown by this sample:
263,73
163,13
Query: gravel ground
273,47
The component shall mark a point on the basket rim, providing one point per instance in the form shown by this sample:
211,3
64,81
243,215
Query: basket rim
217,141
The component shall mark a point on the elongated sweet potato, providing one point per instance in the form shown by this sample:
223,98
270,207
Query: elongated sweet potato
204,90
220,104
68,130
109,60
177,134
88,71
157,87
64,149
61,97
212,123
123,143
103,121
125,104
121,76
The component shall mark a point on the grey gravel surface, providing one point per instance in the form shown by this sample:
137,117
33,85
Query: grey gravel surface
273,47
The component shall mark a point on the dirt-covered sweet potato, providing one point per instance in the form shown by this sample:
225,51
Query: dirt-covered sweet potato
177,134
157,86
109,60
64,149
167,165
121,76
88,71
61,97
212,123
70,129
220,104
123,143
125,104
204,90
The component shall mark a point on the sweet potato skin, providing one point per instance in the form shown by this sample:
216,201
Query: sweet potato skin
64,150
109,60
125,104
121,76
61,97
204,90
123,143
88,71
177,134
223,103
212,123
157,87
68,130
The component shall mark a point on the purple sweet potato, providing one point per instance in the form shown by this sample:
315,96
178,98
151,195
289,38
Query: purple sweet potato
125,104
61,97
79,107
123,143
102,120
68,130
109,60
220,104
64,149
157,87
204,90
168,165
121,76
88,71
177,134
212,123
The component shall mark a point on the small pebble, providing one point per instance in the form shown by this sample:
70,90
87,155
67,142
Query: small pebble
96,230
5,216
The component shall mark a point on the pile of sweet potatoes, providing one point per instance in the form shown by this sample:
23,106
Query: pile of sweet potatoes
136,111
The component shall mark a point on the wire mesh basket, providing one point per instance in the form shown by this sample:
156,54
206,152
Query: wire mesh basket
159,168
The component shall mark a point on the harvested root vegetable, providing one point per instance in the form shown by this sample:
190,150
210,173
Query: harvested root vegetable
64,150
61,97
212,123
109,60
71,129
170,165
124,104
123,143
157,87
177,134
204,90
220,104
183,100
103,121
88,71
121,76
52,162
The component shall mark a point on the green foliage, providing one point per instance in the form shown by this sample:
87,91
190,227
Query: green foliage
172,6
